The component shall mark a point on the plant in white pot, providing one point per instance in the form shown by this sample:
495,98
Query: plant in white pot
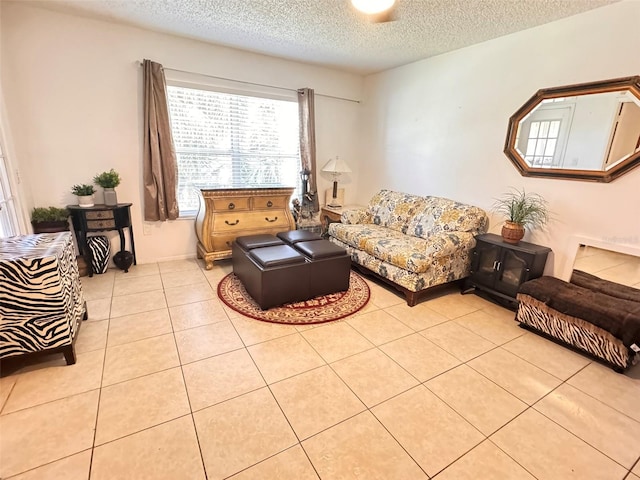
108,181
522,210
84,193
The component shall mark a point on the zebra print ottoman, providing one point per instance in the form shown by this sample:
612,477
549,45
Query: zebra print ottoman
599,324
41,301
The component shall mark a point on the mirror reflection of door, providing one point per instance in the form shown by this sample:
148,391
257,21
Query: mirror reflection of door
625,133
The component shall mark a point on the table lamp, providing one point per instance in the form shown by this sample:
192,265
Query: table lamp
335,166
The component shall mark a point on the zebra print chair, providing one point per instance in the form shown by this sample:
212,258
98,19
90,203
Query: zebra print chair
597,316
41,301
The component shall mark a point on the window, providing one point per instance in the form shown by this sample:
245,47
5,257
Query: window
541,146
225,140
8,214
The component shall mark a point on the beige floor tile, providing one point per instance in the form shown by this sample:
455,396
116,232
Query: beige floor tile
135,359
432,433
220,378
520,378
373,376
139,326
636,469
99,309
144,402
241,432
495,329
168,451
337,340
625,274
383,297
292,463
555,359
98,286
618,391
6,386
420,357
284,357
197,314
486,461
140,270
75,467
602,427
53,383
632,477
418,317
206,341
451,305
137,302
379,327
180,279
189,294
480,401
46,433
360,448
129,285
597,263
476,301
254,331
549,452
178,265
460,342
92,336
315,400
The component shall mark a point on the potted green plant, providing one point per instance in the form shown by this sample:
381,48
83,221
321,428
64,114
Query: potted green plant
85,194
108,181
522,210
49,219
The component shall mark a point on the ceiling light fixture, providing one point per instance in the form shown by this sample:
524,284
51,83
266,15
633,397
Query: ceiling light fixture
371,7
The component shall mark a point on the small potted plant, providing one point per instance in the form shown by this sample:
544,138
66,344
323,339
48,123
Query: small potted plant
85,194
108,181
522,210
49,219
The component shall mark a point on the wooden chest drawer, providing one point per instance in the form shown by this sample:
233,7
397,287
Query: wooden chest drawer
266,203
227,222
223,242
228,204
98,214
101,224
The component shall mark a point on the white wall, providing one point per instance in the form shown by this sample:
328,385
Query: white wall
438,126
73,91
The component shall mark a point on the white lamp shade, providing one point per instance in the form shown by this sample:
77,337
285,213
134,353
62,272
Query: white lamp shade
336,165
371,7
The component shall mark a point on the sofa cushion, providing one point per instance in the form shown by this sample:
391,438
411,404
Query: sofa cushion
443,215
356,235
407,252
394,210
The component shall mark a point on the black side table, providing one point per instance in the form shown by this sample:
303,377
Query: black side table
100,218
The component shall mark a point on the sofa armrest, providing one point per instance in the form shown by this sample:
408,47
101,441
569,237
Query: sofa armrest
449,243
355,215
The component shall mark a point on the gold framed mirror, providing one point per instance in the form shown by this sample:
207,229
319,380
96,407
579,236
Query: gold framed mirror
587,131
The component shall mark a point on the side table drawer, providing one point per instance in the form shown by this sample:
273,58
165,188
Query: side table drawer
98,214
100,224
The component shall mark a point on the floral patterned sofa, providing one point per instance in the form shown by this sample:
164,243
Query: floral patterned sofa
411,242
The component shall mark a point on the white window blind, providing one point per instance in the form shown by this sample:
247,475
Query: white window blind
225,140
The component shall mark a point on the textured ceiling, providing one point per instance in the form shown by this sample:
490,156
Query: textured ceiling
331,32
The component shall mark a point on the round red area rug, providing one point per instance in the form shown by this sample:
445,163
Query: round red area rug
317,310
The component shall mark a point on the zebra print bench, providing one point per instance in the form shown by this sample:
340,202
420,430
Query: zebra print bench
593,315
41,301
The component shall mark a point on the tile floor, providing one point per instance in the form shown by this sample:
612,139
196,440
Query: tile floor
614,266
170,384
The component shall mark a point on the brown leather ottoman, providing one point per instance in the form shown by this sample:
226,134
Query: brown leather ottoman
273,275
330,267
294,236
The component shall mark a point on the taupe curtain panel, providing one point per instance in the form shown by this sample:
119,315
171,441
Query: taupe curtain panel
160,167
307,114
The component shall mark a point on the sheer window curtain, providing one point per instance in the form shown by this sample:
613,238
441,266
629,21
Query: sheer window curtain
160,166
306,109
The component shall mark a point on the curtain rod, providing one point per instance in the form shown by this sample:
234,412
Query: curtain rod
255,84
